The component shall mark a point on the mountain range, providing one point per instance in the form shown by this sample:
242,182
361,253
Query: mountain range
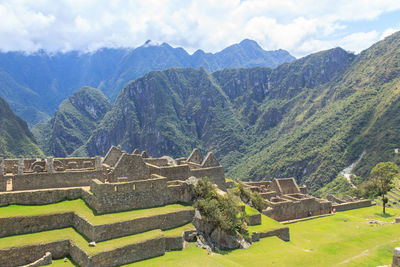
35,84
309,118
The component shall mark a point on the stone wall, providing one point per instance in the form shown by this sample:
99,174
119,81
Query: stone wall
254,219
3,183
156,161
10,165
352,205
54,180
130,166
285,186
174,194
79,162
130,253
24,255
124,255
180,172
45,260
39,197
303,189
112,156
29,224
215,174
139,194
290,210
173,243
282,233
162,221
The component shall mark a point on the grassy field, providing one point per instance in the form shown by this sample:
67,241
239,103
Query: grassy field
79,207
344,239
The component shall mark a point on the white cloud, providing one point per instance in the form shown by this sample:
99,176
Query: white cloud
300,27
388,32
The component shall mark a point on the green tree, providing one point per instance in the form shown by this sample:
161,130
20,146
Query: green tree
382,176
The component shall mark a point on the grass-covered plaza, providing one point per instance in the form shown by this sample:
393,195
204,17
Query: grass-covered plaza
344,239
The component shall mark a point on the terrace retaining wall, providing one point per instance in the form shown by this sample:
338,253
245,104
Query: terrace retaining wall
173,243
282,233
39,197
26,254
30,224
124,255
352,205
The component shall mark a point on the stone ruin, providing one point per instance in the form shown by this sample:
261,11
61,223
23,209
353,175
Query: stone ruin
120,182
285,200
117,166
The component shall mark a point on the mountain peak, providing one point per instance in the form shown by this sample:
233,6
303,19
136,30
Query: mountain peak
247,43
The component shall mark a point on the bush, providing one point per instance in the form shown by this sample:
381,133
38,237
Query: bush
252,198
220,211
258,201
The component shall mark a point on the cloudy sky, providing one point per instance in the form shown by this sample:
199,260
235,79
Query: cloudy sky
299,26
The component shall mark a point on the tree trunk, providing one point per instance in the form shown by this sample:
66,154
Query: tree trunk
384,203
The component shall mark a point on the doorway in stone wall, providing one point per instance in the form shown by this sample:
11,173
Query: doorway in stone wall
9,185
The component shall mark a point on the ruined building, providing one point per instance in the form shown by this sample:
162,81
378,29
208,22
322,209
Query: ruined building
152,195
286,201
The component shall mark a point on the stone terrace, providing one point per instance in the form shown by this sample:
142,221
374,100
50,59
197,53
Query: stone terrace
132,205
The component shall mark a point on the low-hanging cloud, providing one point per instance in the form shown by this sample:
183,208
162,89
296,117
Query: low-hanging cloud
300,27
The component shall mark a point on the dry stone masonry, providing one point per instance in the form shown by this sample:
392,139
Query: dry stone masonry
287,201
119,182
123,182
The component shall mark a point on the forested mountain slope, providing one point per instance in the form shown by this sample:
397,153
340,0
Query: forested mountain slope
15,138
309,118
73,123
35,84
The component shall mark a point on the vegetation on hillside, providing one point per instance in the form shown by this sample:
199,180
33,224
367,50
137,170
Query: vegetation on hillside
308,119
15,138
73,123
35,84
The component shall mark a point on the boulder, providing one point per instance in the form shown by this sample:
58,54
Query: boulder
223,240
201,225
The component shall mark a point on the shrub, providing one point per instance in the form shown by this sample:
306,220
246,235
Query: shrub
257,201
252,198
220,211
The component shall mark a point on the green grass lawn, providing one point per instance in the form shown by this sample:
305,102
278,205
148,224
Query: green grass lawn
178,231
80,241
79,207
267,224
344,239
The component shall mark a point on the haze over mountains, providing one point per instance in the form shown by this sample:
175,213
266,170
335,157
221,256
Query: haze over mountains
35,84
